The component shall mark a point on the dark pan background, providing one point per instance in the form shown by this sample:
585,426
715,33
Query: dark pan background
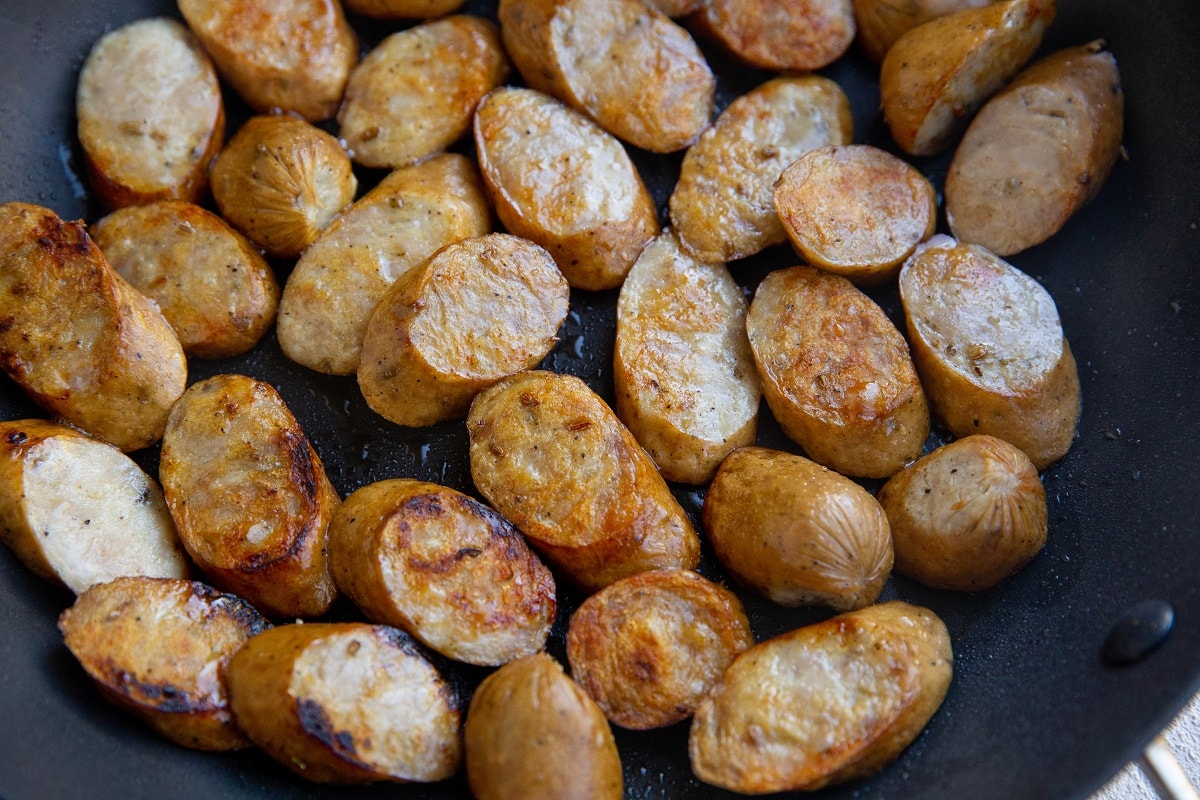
1033,712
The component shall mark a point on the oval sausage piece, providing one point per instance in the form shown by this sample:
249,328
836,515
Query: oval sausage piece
80,341
966,516
836,373
825,703
280,56
989,345
159,647
685,379
444,567
551,456
783,35
721,206
414,94
337,282
560,180
346,703
211,284
78,511
796,532
280,181
882,22
533,734
1038,151
623,63
649,647
477,311
855,210
249,495
935,76
150,114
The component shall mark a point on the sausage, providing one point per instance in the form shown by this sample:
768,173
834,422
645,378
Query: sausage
159,648
444,567
558,179
346,702
150,114
78,511
721,206
550,455
477,311
414,94
990,348
293,56
624,64
648,648
825,703
78,339
249,495
855,210
684,375
836,373
793,531
1038,151
937,75
533,734
211,284
781,35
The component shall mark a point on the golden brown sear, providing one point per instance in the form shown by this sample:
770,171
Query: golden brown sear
648,648
551,456
249,495
825,703
444,567
346,702
159,648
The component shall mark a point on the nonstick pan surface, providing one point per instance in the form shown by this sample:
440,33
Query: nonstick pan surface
1033,712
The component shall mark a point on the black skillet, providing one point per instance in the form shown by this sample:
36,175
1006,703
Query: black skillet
1034,711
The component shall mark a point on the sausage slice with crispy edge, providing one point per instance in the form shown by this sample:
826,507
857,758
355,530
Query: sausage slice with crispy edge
622,62
293,56
550,455
938,74
837,373
159,648
346,702
80,341
782,35
209,281
825,703
78,511
685,379
989,345
444,567
557,178
855,210
415,93
334,287
150,114
648,648
249,495
477,311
